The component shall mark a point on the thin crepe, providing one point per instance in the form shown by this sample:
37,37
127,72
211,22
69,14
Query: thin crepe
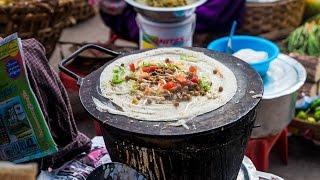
120,95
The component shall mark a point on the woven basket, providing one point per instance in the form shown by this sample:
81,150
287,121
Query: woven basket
306,129
273,20
81,11
43,20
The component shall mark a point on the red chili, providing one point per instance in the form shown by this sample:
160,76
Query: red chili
132,67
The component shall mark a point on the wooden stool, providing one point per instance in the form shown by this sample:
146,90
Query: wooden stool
258,150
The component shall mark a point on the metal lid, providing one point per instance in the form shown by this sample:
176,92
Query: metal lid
285,76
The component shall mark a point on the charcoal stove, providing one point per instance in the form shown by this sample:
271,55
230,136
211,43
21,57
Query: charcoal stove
214,146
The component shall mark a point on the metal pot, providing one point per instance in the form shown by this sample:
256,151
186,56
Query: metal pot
212,149
277,107
166,14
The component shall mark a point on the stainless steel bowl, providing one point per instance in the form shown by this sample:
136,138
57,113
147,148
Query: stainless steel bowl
276,110
165,14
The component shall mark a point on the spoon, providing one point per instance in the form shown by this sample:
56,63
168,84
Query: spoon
229,44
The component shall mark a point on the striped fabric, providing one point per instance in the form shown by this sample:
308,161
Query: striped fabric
55,105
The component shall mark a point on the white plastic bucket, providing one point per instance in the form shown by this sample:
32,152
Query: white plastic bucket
178,34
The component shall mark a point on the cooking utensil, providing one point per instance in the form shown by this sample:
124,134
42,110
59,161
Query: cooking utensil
229,44
277,107
165,14
214,145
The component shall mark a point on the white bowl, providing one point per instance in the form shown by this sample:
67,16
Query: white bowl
165,14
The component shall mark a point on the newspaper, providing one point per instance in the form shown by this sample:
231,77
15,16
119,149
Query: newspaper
24,134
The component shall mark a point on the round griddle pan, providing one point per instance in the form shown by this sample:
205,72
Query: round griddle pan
248,95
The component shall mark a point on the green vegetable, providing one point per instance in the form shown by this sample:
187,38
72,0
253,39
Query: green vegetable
173,66
162,64
302,115
317,115
313,47
146,64
135,101
305,40
185,57
118,75
117,79
294,41
117,69
315,104
134,87
205,84
311,119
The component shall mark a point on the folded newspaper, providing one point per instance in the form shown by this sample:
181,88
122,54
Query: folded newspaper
24,134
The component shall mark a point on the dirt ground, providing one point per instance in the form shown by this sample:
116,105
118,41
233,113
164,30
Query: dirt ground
304,156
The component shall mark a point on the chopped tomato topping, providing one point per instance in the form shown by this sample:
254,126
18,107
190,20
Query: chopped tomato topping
181,78
193,69
170,85
195,79
132,67
149,69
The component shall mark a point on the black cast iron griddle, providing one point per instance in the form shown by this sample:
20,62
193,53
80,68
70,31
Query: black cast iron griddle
248,81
